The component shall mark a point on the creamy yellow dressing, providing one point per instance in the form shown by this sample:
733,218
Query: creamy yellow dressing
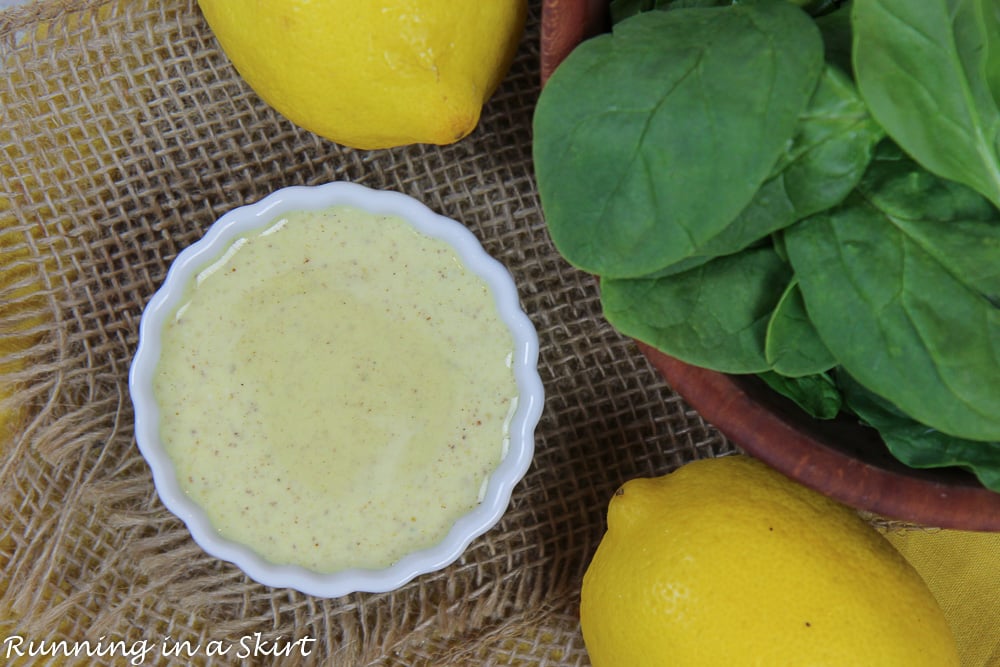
334,390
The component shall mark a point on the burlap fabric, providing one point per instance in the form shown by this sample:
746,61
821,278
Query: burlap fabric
125,132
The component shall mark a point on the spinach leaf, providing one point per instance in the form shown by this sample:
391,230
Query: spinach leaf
817,394
918,445
835,27
778,241
714,316
622,9
901,283
833,143
792,344
648,141
968,241
825,159
820,8
991,20
928,71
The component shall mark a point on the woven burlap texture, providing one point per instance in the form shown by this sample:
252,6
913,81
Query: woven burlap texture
125,133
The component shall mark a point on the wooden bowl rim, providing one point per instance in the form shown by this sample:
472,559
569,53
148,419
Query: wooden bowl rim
818,454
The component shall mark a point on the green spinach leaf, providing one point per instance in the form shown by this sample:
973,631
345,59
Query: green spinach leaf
918,445
901,283
928,71
650,140
991,63
792,345
714,316
829,152
817,395
835,26
622,9
825,159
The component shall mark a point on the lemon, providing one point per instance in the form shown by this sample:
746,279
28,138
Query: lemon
372,74
725,562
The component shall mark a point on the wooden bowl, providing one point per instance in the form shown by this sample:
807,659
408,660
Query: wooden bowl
840,458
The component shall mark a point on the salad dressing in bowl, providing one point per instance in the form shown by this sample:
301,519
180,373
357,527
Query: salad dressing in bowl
355,370
336,389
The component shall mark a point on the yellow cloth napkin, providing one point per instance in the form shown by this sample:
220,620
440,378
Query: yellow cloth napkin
962,569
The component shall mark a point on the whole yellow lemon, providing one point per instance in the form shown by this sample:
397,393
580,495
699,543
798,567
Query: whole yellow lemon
726,563
372,73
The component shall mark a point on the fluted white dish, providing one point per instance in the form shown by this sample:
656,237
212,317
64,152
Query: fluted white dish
512,468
